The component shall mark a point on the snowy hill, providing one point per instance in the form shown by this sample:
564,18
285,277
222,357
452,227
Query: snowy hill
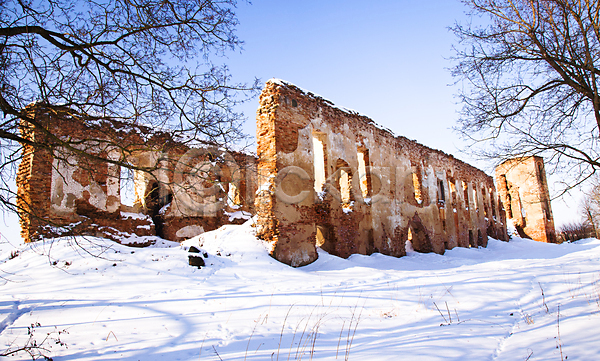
149,304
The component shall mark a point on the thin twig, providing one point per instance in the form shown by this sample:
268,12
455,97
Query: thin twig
444,317
349,345
544,298
250,338
107,336
339,340
558,329
282,328
202,345
219,356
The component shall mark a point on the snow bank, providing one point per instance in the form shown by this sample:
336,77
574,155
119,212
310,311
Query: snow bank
149,304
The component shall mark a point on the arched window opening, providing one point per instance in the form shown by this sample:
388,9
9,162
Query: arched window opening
418,237
324,239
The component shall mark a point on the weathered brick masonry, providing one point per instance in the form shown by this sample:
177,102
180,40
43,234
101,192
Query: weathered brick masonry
187,190
324,177
332,178
523,188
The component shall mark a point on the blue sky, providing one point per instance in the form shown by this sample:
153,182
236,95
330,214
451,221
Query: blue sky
388,60
385,59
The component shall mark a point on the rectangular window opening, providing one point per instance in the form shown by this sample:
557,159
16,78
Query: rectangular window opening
417,187
127,186
345,186
493,201
509,211
233,196
319,161
465,188
363,177
475,203
441,193
485,202
452,187
540,174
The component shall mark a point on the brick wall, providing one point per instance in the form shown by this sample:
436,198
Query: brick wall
523,188
61,191
333,178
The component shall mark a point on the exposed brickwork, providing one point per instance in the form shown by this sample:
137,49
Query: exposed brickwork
404,191
184,192
523,189
325,177
33,188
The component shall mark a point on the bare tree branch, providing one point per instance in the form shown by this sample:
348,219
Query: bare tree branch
143,63
530,76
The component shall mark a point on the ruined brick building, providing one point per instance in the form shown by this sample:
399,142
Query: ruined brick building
523,188
324,177
179,191
334,176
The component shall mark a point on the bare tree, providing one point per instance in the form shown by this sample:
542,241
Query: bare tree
590,215
574,231
590,207
530,73
143,64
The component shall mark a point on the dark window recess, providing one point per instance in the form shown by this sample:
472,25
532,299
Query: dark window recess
540,174
509,204
294,103
155,202
466,194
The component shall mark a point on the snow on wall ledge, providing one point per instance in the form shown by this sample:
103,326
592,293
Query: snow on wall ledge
332,178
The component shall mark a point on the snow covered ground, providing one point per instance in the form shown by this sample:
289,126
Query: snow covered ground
149,304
